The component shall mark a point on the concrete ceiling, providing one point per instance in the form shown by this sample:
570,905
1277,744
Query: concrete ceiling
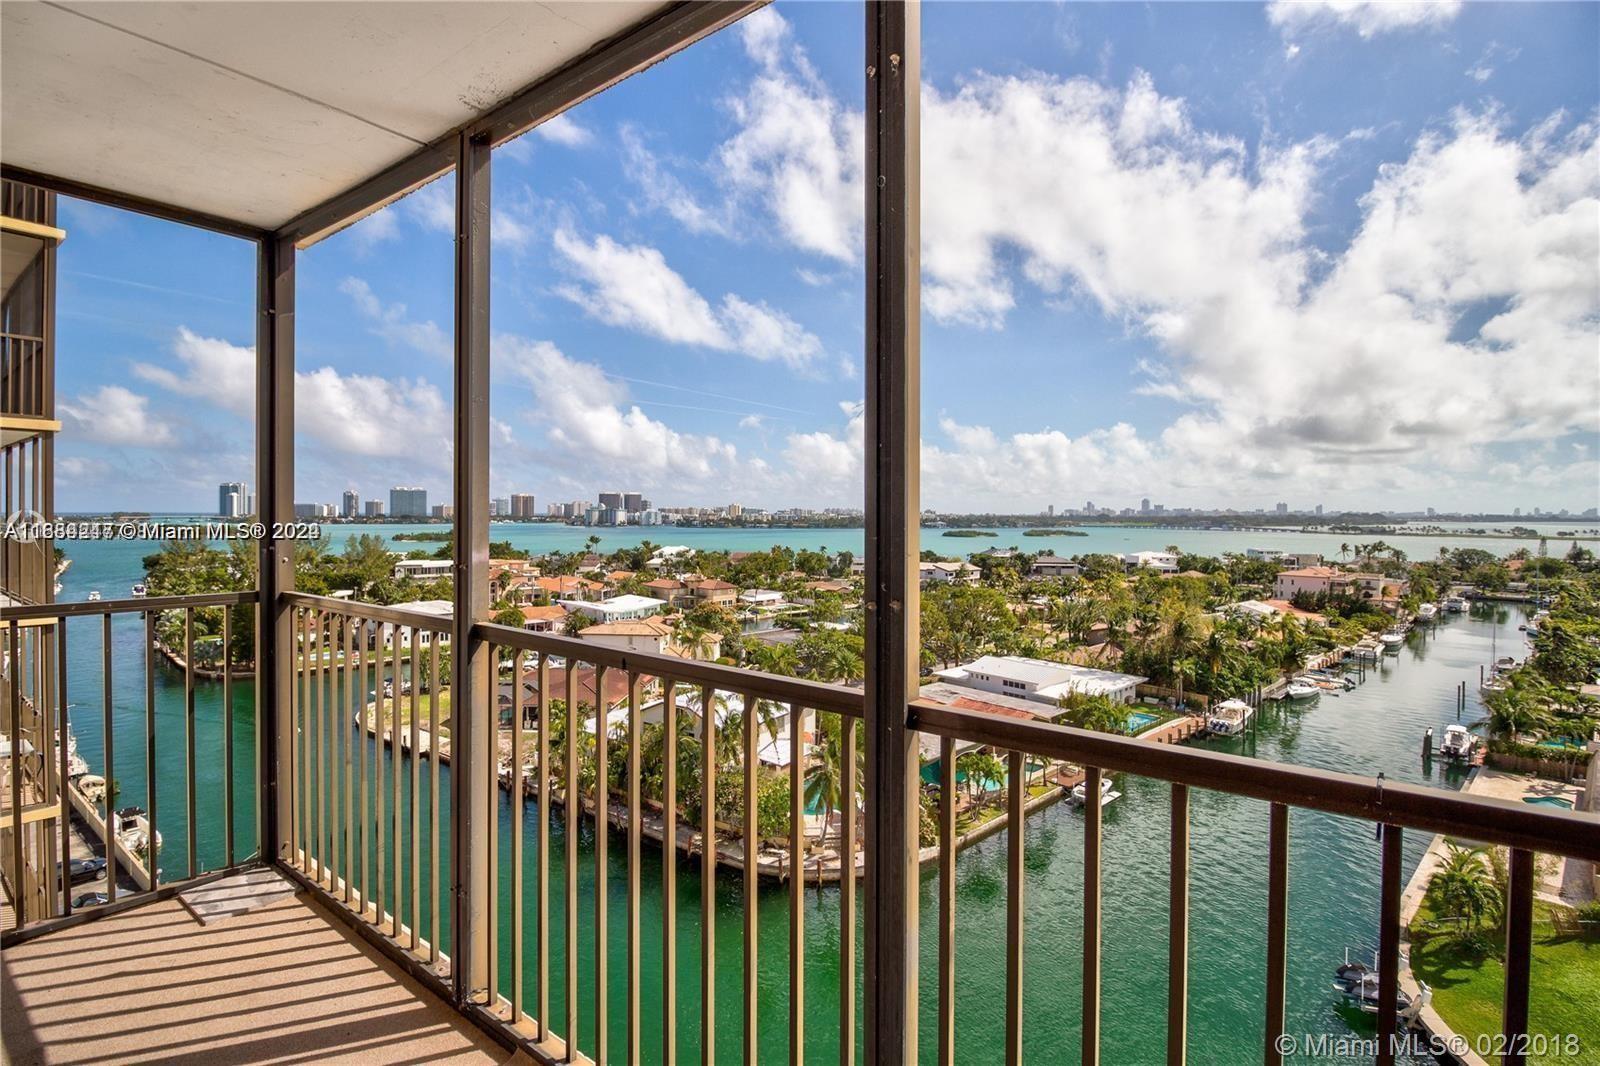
258,111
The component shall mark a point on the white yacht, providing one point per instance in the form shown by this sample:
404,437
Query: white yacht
139,588
1427,612
1455,605
94,594
1302,689
1229,718
1080,792
1392,639
1458,743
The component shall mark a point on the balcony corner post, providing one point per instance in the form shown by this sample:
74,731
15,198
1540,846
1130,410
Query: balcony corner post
892,424
473,722
275,555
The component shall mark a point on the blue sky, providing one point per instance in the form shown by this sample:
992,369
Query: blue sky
1213,254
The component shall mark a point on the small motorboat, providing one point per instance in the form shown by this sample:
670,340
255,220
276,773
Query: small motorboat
1458,743
1455,605
1427,612
1302,689
1392,639
1229,718
140,589
94,594
1080,792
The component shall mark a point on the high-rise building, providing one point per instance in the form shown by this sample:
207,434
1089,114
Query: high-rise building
1144,505
1281,508
611,500
372,508
500,507
408,502
231,499
633,502
734,510
351,505
1319,510
522,505
442,510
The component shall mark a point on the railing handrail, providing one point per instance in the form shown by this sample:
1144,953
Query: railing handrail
813,695
1479,818
131,605
375,612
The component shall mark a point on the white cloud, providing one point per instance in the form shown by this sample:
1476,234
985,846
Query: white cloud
433,207
115,415
633,287
662,190
380,227
564,131
1367,17
393,323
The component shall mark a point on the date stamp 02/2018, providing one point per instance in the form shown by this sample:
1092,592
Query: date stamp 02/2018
1315,1047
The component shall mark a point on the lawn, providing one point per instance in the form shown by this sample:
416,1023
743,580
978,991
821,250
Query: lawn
1565,998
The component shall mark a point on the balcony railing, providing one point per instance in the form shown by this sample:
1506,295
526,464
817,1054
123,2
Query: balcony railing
377,815
25,376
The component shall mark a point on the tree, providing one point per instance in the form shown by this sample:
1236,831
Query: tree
576,622
1096,713
1463,888
960,622
980,769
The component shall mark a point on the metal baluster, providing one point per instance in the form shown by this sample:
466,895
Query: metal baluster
1519,959
362,720
1277,927
1014,870
380,857
150,741
847,898
1091,914
1389,944
541,918
947,901
188,733
227,732
518,813
20,898
669,871
1178,931
708,877
336,670
570,794
433,802
752,850
635,842
396,903
491,832
602,824
302,743
64,728
797,885
322,834
416,821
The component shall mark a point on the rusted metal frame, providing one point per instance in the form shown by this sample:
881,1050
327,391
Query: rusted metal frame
602,834
639,46
1178,930
472,719
947,901
188,740
1016,809
1277,930
892,416
1389,890
814,694
797,885
708,876
669,870
1519,959
1434,810
635,849
140,204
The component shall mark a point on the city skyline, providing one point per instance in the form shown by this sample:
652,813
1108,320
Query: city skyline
668,315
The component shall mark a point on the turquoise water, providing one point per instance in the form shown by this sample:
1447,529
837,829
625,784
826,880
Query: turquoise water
1333,887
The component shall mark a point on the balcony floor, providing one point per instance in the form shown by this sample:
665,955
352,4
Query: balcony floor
286,983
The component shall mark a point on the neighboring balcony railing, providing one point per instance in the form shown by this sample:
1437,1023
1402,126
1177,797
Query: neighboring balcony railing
53,652
24,376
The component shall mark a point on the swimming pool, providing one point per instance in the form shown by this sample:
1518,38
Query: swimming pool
1139,721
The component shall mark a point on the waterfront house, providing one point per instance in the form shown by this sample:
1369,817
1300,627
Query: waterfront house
1313,580
1161,562
675,592
543,618
1053,566
387,635
617,608
761,598
568,587
948,573
714,592
650,635
1040,680
423,569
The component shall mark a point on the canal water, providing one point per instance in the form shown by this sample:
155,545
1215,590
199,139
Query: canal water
1333,873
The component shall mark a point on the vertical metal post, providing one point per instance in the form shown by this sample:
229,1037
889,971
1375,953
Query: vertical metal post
1277,929
472,706
893,386
275,649
1519,958
1178,931
1389,944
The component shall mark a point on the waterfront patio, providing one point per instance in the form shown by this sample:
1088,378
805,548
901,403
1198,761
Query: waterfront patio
279,132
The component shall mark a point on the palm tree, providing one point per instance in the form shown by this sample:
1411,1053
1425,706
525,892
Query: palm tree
1463,887
1344,551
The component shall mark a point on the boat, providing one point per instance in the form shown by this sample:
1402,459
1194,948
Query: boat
93,787
1301,689
94,594
1455,605
1427,612
1229,718
1358,983
1458,743
1392,639
140,589
1080,792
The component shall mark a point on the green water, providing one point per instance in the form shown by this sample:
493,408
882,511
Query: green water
1333,875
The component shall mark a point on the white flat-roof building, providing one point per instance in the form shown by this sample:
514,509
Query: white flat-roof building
424,569
762,597
1053,566
942,573
1041,680
388,635
1164,562
617,608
